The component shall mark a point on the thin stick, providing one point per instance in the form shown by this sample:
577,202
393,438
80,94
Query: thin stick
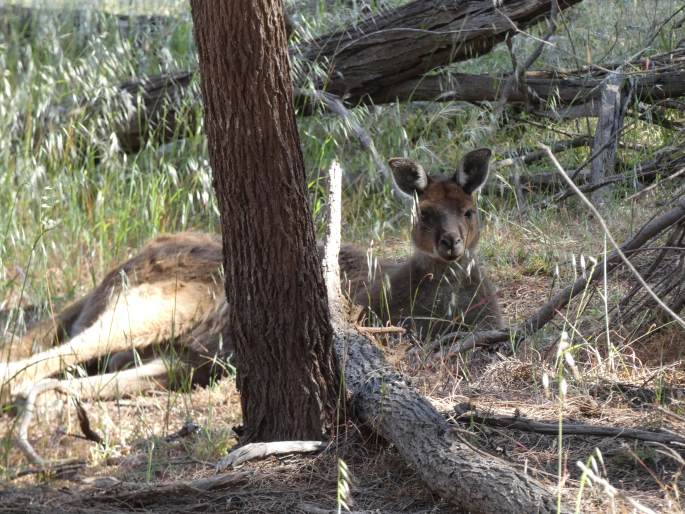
541,427
26,416
627,262
381,330
656,184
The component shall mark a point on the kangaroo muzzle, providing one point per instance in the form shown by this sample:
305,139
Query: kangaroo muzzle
450,247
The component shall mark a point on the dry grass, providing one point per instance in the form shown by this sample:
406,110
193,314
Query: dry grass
138,456
71,212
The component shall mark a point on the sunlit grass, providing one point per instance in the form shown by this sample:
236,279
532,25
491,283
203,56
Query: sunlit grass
73,204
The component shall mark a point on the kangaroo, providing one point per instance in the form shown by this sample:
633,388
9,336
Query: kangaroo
171,293
440,286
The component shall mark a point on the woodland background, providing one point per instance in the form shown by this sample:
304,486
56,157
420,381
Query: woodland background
80,190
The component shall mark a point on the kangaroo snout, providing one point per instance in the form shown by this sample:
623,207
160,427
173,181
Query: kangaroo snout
450,247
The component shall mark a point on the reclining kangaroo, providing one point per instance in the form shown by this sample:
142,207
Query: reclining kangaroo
172,294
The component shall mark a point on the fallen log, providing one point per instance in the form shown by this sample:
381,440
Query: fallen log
359,63
527,157
575,88
150,106
469,479
399,45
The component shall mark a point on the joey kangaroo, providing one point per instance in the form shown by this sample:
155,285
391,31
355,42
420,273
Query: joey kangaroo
172,294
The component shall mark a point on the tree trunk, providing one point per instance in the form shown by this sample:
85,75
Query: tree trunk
609,125
278,313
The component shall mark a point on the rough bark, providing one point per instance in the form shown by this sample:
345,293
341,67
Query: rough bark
471,480
278,311
400,45
567,88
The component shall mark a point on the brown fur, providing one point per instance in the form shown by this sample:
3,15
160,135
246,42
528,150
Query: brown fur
433,294
171,293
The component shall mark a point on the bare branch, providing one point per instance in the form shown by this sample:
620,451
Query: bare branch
570,428
611,238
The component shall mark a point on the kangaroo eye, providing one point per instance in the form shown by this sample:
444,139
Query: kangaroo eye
426,217
469,214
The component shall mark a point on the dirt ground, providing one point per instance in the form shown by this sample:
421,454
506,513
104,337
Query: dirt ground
146,465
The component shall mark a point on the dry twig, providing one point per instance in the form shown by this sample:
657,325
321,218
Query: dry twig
570,428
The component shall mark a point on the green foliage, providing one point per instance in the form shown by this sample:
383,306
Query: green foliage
74,204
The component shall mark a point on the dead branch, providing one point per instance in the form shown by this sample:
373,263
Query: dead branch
254,451
613,104
362,61
143,494
26,415
109,385
517,77
570,428
665,272
159,104
653,81
667,162
618,250
531,156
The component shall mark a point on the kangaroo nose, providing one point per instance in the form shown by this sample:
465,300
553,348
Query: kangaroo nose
449,243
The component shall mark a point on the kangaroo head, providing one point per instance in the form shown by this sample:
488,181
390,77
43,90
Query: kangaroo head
446,224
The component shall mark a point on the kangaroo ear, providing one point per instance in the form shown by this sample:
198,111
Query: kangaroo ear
473,170
409,175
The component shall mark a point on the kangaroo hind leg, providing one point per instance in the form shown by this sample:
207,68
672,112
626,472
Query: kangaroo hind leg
146,314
